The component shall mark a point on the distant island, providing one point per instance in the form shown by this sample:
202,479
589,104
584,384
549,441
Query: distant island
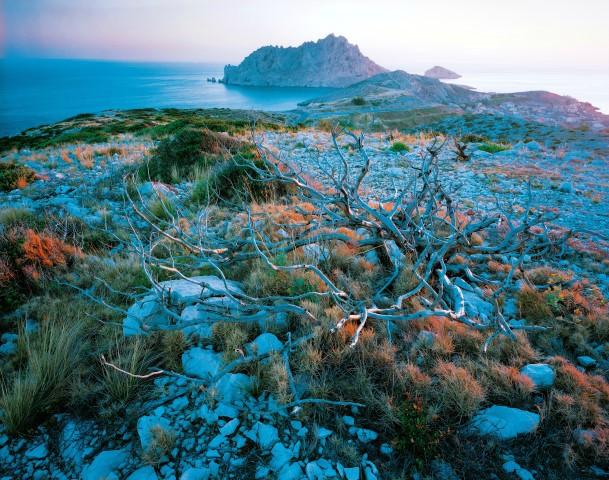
329,62
441,73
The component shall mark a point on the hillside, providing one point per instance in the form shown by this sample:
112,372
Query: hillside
329,62
401,88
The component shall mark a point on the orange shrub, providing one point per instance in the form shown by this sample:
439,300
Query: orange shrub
46,251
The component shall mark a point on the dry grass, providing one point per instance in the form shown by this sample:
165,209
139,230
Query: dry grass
533,305
457,393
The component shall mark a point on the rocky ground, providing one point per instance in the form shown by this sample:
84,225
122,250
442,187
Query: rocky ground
196,431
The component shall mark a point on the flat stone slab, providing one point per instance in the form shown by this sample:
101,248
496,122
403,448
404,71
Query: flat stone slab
541,374
504,422
201,363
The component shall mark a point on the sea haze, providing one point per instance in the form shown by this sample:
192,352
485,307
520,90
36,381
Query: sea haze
35,92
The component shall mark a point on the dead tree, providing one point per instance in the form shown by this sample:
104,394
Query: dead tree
420,221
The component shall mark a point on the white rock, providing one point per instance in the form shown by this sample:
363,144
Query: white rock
264,344
291,471
186,292
280,455
144,473
230,427
195,474
504,422
323,433
363,434
232,386
386,449
227,411
201,363
586,361
513,467
541,374
314,472
348,420
352,473
104,465
37,453
145,427
476,307
146,313
263,434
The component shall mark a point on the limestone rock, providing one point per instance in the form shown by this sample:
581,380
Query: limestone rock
143,473
201,363
504,422
541,374
104,465
146,426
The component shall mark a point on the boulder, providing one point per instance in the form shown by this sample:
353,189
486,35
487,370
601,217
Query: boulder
142,314
264,344
186,292
504,422
541,374
232,386
201,363
476,307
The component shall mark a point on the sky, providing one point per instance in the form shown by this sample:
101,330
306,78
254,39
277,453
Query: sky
408,34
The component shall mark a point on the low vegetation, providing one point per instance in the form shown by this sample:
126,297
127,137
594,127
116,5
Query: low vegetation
490,147
421,380
14,176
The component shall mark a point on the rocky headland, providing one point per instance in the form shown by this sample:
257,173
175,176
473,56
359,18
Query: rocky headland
329,62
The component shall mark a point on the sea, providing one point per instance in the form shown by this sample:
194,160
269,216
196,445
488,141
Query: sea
35,92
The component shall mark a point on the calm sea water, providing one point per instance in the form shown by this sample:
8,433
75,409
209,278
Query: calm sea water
36,92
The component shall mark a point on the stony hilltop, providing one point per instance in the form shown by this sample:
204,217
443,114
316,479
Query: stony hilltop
328,62
441,73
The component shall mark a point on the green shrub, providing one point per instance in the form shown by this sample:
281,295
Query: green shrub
133,356
162,208
13,175
236,181
493,147
358,101
473,138
177,155
53,355
399,147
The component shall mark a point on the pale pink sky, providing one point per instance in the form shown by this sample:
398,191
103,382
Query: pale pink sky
560,34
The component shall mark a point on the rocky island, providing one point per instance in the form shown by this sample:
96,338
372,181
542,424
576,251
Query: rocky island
329,62
441,73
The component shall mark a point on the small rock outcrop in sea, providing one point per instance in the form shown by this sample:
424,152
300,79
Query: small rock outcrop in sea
441,73
329,62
